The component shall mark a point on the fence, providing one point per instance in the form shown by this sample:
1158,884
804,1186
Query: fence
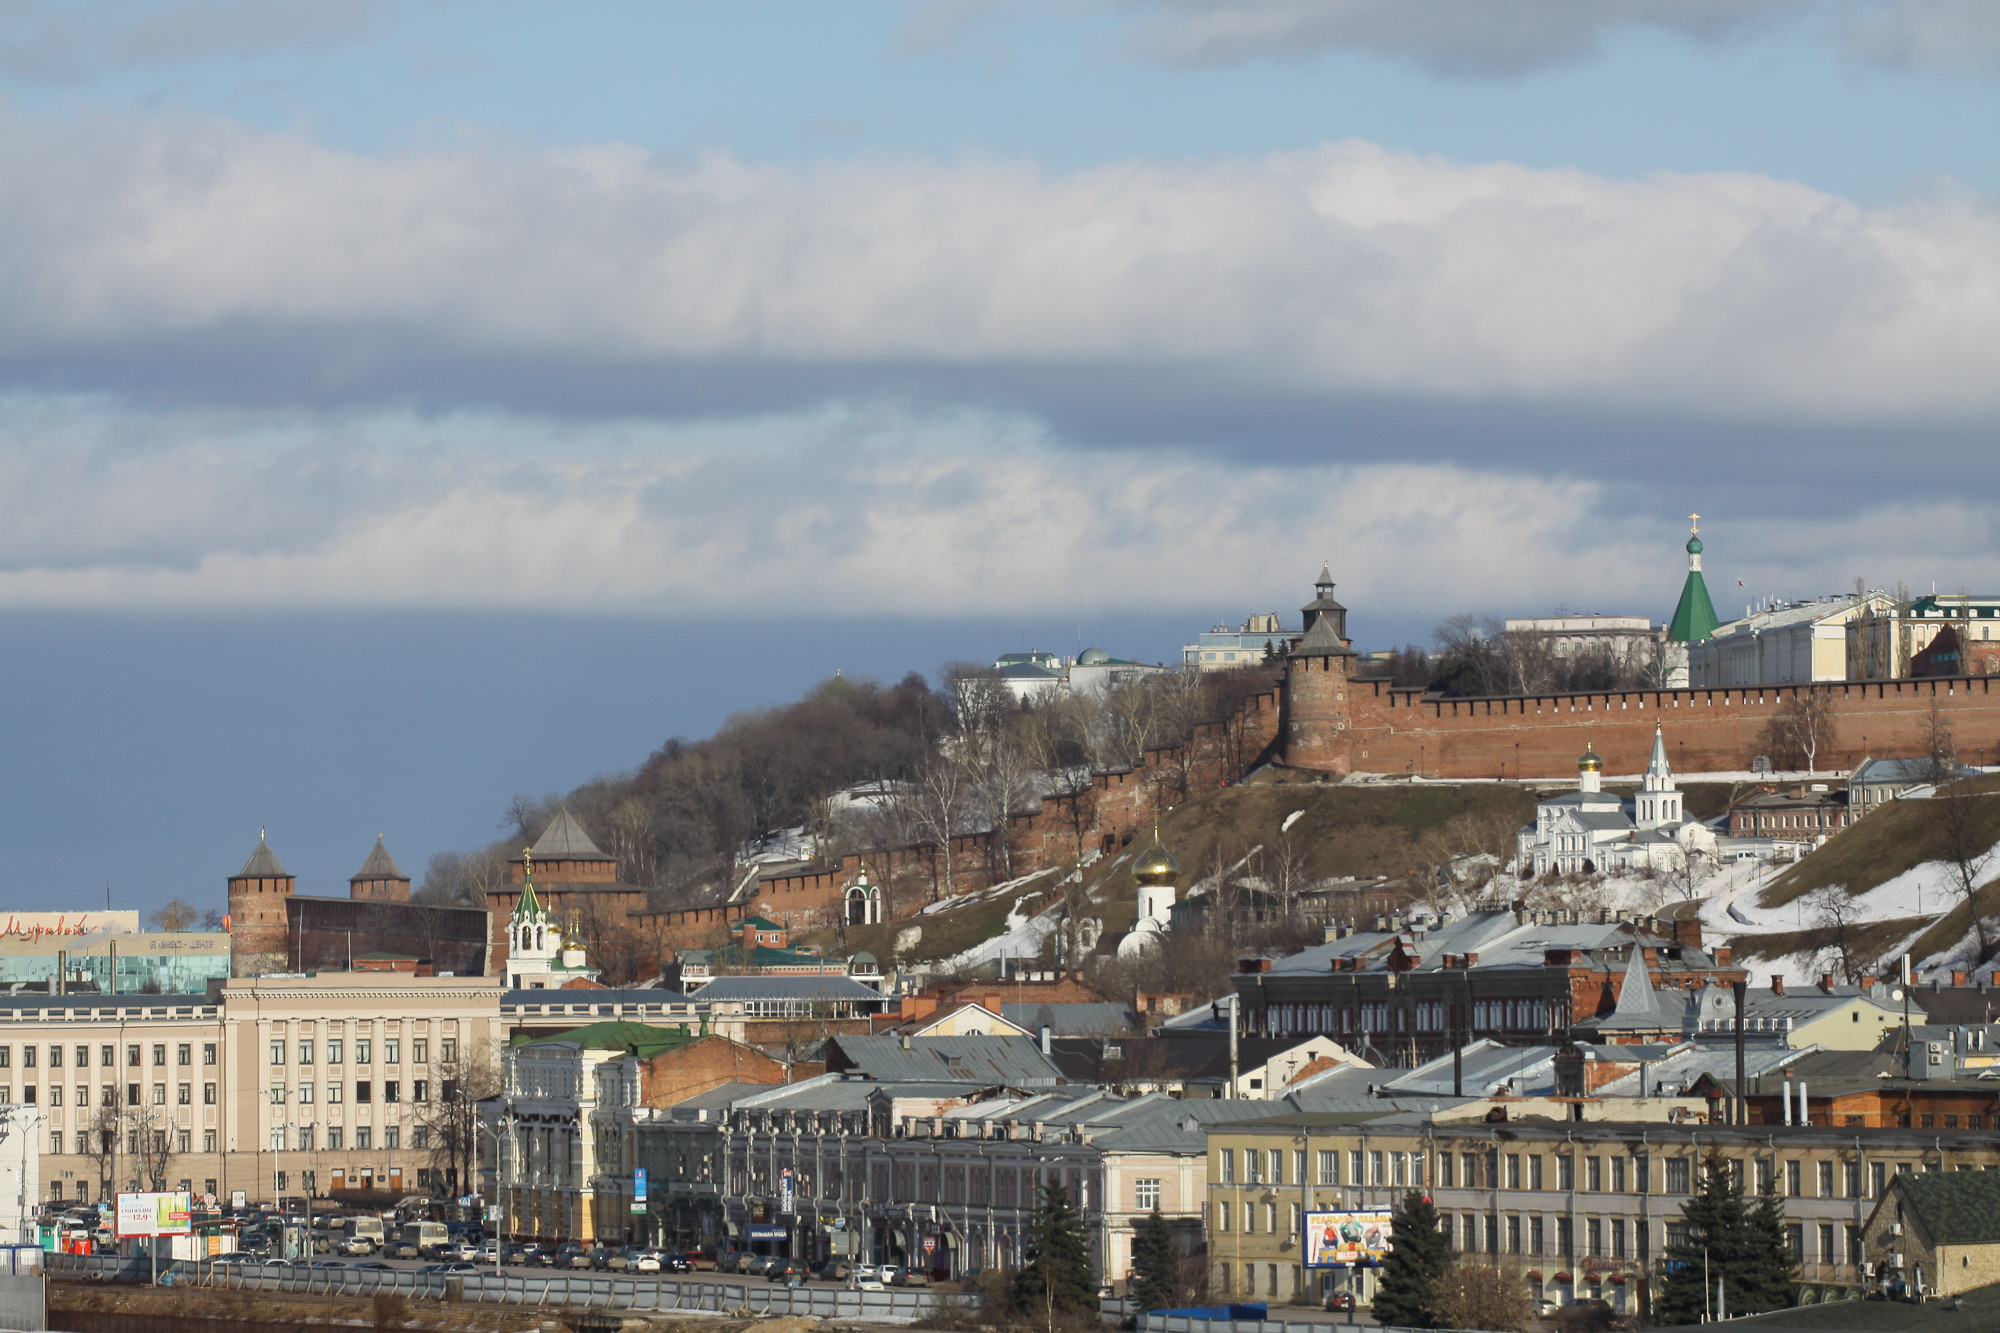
1177,1323
611,1292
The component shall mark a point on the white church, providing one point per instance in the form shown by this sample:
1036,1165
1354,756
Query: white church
1591,830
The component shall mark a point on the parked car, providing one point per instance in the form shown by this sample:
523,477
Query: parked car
1341,1300
609,1257
888,1272
543,1256
913,1277
457,1268
866,1278
785,1270
676,1263
700,1260
729,1261
833,1270
486,1252
645,1261
572,1256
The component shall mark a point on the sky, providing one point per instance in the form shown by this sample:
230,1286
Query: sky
405,404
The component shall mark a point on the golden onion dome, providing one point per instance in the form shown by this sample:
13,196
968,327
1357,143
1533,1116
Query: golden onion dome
1588,762
1156,866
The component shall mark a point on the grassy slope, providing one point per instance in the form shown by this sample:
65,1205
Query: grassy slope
1897,837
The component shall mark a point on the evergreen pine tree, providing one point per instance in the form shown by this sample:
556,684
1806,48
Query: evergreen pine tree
1768,1273
1717,1246
1056,1278
1419,1250
1153,1264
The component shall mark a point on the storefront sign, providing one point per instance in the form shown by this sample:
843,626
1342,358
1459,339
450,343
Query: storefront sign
638,1189
35,925
1345,1238
770,1233
786,1197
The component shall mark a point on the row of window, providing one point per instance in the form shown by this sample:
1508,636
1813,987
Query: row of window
1492,1169
364,1051
107,1054
282,1139
364,1091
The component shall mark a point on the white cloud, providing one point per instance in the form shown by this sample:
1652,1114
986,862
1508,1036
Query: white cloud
1465,36
865,509
1347,269
60,41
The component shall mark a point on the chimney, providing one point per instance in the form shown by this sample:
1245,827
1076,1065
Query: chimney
1868,983
1724,956
1472,960
1826,982
990,1001
1778,984
1045,1039
1958,976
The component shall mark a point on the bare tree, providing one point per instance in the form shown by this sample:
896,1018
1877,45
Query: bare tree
935,805
1471,1294
1803,726
1838,920
1963,830
1940,744
177,914
447,1120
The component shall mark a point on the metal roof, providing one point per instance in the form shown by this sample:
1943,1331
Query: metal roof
263,864
379,865
1007,1061
828,987
565,840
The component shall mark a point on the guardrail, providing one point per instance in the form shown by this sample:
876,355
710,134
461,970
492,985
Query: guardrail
611,1292
1166,1323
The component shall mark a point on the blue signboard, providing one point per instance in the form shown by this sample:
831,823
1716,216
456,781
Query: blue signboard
638,1189
770,1233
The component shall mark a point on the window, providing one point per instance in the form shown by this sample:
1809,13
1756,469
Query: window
107,1095
1677,1175
1826,1182
1354,1175
419,1051
305,1052
1617,1238
1642,1233
1468,1170
1535,1235
1853,1244
277,1052
159,1094
1565,1237
1293,1213
420,1090
278,1139
1854,1180
1593,1236
1514,1234
1146,1194
159,1054
364,1137
82,1142
392,1136
183,1140
390,1049
1471,1233
1253,1166
1277,1166
1767,1171
1794,1178
363,1091
55,1099
207,1053
1249,1219
28,1054
184,1095
208,1094
333,1092
277,1094
1514,1178
334,1135
420,1137
55,1057
1535,1176
1375,1168
131,1057
1795,1233
1878,1179
1594,1174
1444,1170
131,1094
333,1052
1329,1167
1226,1160
1565,1172
361,1053
183,1054
1826,1250
389,1091
1222,1211
6,1056
106,1056
1618,1175
448,1050
1298,1166
208,1145
305,1094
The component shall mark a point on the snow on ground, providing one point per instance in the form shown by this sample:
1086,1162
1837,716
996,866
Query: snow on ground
1000,890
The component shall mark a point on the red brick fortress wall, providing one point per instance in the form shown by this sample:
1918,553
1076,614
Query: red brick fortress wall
1707,730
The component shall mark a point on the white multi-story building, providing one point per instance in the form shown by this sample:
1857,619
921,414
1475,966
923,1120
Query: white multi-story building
1591,830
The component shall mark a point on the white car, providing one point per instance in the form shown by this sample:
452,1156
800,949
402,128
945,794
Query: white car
646,1261
868,1278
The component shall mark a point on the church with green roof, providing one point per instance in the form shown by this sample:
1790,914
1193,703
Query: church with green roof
1694,618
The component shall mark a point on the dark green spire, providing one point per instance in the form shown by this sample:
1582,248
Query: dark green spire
1695,618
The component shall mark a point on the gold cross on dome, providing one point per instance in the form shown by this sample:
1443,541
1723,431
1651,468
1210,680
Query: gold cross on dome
1694,523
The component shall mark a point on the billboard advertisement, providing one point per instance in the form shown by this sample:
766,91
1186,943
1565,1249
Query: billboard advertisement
787,1199
638,1189
1346,1238
153,1214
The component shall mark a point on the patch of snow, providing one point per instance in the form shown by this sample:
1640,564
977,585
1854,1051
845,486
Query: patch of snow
1291,819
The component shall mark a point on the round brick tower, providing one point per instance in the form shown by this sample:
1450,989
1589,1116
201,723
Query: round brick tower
1316,682
260,896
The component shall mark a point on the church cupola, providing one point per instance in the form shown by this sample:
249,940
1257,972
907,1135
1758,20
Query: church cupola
1157,872
1589,770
